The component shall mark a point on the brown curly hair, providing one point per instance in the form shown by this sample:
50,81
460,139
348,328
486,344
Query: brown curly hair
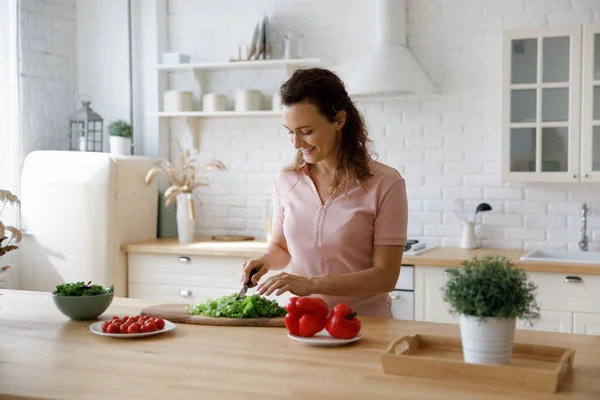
327,92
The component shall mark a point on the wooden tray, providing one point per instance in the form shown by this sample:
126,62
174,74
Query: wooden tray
541,368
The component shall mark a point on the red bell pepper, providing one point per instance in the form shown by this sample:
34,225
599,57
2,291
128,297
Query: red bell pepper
342,322
305,316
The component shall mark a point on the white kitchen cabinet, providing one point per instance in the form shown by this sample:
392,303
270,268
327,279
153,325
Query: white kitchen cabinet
186,278
551,104
549,321
588,324
568,303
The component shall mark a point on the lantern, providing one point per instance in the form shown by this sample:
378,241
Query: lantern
85,129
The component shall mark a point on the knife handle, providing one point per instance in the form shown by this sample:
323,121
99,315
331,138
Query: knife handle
252,273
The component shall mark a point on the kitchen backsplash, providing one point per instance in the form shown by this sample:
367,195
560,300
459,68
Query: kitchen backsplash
447,147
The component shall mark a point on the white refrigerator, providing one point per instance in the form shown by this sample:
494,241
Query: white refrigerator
77,210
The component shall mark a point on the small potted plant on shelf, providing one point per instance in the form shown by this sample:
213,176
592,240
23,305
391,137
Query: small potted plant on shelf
9,235
184,179
489,294
120,133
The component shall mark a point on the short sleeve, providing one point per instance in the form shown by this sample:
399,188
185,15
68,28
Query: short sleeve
277,220
391,217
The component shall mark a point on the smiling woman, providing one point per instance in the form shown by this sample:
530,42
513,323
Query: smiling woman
339,216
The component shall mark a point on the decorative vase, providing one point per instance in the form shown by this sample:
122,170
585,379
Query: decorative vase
120,145
469,238
489,341
186,217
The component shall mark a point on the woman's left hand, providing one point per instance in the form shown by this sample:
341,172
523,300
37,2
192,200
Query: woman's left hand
284,282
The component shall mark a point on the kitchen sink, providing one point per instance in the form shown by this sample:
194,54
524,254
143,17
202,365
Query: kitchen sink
579,257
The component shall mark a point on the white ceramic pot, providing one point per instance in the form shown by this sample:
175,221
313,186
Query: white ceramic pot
120,145
214,102
247,100
185,218
489,341
469,238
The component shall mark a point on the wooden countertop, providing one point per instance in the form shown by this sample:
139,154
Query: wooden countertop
436,257
43,355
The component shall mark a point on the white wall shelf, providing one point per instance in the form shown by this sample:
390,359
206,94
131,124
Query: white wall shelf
249,64
205,114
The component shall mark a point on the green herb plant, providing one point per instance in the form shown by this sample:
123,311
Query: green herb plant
120,128
254,306
82,289
490,287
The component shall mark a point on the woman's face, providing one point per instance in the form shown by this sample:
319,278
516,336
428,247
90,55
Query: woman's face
311,133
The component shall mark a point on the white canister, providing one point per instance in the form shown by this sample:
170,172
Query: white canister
247,100
276,102
214,102
175,101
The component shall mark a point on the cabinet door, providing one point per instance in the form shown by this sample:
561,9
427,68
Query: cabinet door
429,303
549,321
590,123
541,104
403,305
588,324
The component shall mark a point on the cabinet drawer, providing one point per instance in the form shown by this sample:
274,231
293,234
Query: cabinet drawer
550,321
588,324
197,271
564,292
406,280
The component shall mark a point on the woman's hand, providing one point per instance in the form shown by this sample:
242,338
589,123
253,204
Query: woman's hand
284,282
254,263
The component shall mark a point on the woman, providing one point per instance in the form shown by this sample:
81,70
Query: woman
340,217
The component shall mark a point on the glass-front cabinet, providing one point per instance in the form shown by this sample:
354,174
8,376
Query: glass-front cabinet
545,130
590,121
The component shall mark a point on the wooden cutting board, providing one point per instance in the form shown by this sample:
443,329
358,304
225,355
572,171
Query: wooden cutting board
176,313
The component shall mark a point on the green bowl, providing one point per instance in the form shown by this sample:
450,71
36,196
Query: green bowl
80,308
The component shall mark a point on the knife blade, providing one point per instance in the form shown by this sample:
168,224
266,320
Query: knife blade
246,286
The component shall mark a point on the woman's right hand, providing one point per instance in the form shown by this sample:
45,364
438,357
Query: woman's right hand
257,263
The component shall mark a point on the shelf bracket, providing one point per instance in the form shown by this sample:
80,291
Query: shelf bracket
192,129
200,77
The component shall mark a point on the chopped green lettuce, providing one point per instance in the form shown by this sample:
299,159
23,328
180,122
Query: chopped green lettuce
254,306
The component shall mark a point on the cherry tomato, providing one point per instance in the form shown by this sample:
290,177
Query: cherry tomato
151,326
113,328
160,323
105,326
123,328
133,328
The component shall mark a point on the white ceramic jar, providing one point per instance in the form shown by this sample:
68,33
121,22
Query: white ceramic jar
177,101
214,102
247,100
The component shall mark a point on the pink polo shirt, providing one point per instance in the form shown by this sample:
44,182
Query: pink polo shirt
338,237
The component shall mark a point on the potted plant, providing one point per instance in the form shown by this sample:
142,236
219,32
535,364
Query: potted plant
9,235
184,179
120,133
489,294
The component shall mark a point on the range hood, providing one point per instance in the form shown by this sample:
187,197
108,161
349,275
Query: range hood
389,68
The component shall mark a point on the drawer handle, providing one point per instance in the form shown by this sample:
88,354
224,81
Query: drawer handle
394,296
185,293
533,315
573,279
184,259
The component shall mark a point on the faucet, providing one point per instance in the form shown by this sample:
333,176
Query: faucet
583,243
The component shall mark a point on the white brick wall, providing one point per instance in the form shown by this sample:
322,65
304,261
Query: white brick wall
48,72
447,147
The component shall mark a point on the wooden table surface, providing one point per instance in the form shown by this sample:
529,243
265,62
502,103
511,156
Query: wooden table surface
436,257
43,355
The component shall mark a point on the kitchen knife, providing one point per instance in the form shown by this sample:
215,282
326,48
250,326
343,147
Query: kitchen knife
242,292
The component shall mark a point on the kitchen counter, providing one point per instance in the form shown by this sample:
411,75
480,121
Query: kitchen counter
436,257
43,355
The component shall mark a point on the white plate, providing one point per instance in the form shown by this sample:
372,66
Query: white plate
324,339
96,328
